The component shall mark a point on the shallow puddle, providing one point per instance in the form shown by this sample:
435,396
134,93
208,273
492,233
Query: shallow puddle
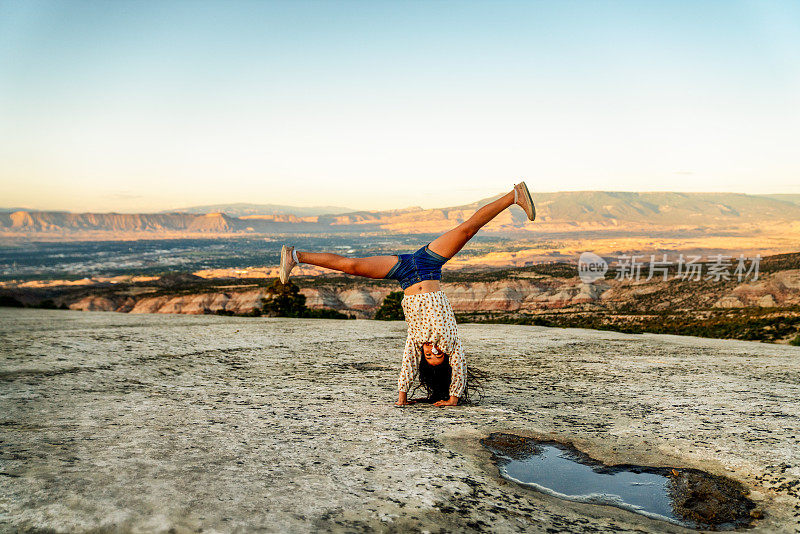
687,497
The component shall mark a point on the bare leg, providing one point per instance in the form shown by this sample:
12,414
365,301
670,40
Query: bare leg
450,243
446,245
370,267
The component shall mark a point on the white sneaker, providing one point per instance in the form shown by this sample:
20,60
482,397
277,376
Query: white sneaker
525,201
287,263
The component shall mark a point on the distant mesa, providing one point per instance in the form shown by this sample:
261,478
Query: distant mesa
12,210
243,210
563,211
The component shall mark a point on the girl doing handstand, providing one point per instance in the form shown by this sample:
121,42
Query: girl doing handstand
432,344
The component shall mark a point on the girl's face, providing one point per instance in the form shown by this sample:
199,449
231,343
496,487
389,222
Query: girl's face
433,359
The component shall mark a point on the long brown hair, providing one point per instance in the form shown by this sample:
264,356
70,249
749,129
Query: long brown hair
435,380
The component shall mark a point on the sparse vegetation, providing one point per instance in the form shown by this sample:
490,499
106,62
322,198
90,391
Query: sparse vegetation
325,313
555,270
391,308
751,325
780,262
285,300
47,304
7,301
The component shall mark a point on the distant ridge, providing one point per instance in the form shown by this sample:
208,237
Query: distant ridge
63,221
563,211
12,210
242,209
786,197
658,208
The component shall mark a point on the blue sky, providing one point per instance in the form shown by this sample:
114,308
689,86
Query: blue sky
144,106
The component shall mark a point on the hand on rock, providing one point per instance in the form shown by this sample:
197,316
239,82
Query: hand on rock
452,401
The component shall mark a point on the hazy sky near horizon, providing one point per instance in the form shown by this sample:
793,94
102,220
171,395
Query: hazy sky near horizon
147,106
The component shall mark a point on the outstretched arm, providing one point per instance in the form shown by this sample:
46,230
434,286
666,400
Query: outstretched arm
408,370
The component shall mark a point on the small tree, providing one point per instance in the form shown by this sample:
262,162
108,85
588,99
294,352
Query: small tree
10,302
284,300
391,308
325,313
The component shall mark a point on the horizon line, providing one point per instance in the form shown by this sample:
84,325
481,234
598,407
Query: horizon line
179,210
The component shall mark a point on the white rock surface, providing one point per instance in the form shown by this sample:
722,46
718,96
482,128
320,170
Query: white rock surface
176,423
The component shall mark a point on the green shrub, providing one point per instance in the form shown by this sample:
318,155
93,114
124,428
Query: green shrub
284,300
47,304
795,341
324,313
9,302
391,308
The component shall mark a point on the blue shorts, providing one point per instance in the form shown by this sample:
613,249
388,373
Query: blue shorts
424,264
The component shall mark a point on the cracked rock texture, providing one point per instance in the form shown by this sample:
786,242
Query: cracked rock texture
159,423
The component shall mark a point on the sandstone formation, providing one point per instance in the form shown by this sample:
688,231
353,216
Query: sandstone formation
363,299
780,289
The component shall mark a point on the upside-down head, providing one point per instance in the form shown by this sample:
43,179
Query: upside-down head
435,372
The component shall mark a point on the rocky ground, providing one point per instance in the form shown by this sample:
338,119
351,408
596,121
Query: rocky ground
181,423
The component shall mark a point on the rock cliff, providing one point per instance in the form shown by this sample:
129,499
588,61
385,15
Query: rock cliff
512,295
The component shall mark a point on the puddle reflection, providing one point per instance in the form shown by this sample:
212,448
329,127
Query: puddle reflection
686,497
